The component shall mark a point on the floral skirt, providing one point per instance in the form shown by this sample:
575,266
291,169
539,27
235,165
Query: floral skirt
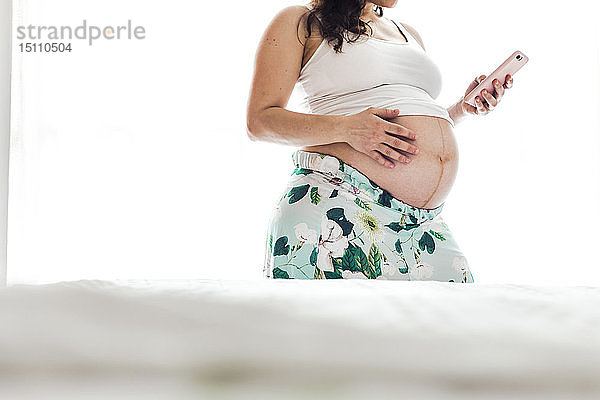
333,222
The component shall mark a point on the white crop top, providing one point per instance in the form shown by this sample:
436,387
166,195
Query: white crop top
372,72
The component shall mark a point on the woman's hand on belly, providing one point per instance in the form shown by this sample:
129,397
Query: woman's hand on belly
370,133
428,179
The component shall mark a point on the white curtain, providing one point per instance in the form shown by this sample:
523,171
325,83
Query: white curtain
129,158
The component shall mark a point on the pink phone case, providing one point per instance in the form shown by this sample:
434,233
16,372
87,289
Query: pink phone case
510,66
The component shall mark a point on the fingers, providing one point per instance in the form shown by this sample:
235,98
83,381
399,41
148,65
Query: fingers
391,153
384,112
491,100
389,147
472,86
399,144
509,82
397,129
381,160
486,102
480,107
499,89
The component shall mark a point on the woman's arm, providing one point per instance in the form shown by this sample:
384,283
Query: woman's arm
277,67
456,112
276,71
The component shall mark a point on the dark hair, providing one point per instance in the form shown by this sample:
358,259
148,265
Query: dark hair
335,18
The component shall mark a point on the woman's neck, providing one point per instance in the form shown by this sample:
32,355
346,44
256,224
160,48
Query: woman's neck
368,14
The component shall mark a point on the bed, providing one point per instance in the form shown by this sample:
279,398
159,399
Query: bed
288,339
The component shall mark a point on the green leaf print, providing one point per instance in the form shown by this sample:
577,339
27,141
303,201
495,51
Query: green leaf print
313,257
395,226
315,197
398,246
398,226
341,165
437,235
278,273
426,242
302,171
408,227
337,214
413,219
373,269
403,270
362,204
385,198
318,274
297,193
402,225
333,193
281,246
271,242
337,262
336,274
354,259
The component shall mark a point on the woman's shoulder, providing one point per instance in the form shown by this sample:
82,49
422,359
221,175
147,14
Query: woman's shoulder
294,19
294,12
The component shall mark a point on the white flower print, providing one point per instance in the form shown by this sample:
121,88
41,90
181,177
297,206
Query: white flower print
305,234
331,242
326,163
421,271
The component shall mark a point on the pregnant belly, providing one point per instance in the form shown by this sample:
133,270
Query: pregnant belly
424,182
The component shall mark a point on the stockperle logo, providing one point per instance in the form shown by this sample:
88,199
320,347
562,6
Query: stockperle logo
90,33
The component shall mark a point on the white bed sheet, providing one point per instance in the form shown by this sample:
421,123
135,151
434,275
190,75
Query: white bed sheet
292,339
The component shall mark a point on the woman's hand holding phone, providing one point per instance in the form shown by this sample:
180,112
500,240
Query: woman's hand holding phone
490,100
484,94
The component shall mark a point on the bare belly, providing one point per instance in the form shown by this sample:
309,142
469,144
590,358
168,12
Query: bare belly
427,179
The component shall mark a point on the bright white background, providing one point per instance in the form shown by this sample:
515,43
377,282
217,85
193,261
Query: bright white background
129,159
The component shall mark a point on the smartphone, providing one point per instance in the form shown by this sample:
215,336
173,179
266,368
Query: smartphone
508,67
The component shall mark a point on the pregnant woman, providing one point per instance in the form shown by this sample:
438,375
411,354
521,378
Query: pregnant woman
377,153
